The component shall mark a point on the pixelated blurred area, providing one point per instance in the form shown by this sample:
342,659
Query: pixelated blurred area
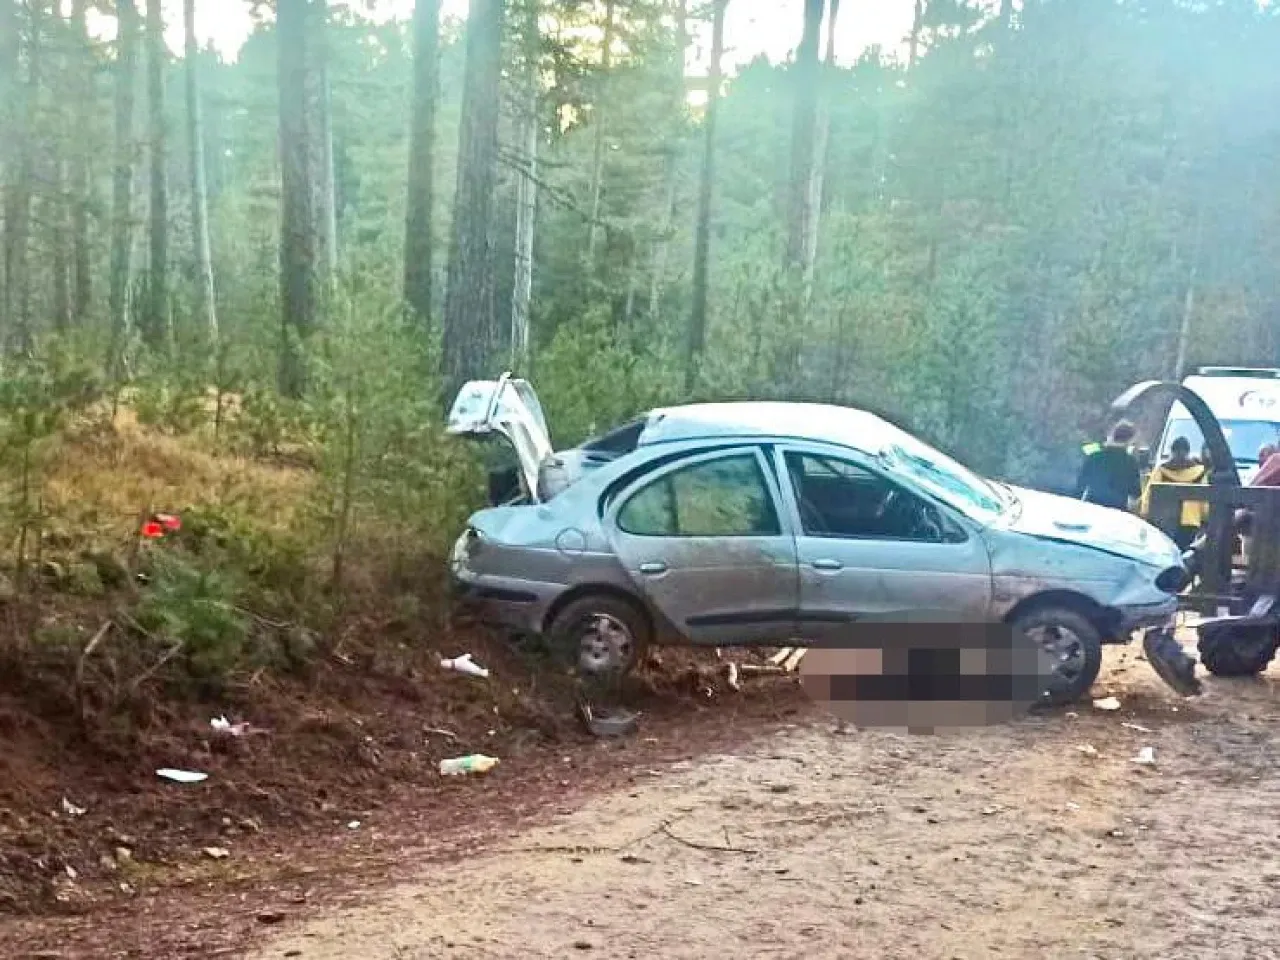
927,678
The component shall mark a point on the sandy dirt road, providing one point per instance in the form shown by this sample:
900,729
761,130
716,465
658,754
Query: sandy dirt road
1017,841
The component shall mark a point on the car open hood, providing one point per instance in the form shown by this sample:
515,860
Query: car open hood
1066,520
510,409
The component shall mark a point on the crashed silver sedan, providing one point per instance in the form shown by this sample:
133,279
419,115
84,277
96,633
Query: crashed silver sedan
779,524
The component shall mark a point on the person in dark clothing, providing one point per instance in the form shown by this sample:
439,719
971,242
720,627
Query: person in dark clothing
1110,476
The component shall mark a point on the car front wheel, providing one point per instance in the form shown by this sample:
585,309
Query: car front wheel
600,634
1072,646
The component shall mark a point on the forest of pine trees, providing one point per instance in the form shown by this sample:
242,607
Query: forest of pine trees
984,233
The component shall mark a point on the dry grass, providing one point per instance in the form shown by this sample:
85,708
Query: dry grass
102,473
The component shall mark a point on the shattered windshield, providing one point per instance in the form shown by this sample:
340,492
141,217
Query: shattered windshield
947,479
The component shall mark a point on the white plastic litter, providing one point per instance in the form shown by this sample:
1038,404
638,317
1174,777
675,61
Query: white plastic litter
182,776
1088,749
1107,703
70,809
733,677
225,726
1147,755
464,664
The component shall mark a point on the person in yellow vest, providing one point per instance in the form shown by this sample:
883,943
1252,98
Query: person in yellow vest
1180,468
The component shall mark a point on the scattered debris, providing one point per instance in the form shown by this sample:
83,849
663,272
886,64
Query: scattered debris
440,732
216,853
270,916
70,809
474,763
353,825
749,668
991,811
1137,726
182,776
224,726
614,724
1107,703
1088,749
788,658
1147,755
464,664
732,671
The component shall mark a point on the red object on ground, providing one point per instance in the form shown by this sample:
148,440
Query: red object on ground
152,530
169,521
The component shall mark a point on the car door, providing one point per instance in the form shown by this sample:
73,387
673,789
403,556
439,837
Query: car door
871,548
707,544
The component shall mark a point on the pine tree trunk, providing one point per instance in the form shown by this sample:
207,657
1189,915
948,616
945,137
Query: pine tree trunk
82,175
662,244
821,141
11,115
298,246
469,331
599,115
206,302
917,25
320,123
526,194
18,196
702,243
157,323
804,134
126,71
418,244
60,235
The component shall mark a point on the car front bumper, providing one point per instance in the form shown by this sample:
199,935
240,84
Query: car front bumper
1143,616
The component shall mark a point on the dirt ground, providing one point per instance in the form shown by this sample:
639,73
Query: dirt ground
753,826
1009,842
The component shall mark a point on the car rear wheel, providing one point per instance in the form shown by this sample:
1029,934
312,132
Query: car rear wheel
601,635
1073,647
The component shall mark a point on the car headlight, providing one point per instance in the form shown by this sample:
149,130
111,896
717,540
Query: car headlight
464,548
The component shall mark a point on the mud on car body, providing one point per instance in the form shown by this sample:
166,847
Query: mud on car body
774,523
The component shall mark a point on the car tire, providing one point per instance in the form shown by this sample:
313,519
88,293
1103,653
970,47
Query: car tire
599,635
1230,650
1065,689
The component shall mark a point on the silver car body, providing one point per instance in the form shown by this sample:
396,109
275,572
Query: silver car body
989,549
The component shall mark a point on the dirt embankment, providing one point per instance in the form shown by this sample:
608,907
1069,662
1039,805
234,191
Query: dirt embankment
747,825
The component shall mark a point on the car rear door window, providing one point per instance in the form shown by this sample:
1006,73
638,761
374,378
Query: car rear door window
725,497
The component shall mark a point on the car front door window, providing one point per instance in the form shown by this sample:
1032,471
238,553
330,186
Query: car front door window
840,499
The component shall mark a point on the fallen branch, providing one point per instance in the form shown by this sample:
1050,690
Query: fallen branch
89,647
711,847
152,670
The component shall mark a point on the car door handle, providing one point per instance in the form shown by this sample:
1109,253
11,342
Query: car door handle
827,565
653,567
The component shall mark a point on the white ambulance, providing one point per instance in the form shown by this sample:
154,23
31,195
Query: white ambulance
1246,402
